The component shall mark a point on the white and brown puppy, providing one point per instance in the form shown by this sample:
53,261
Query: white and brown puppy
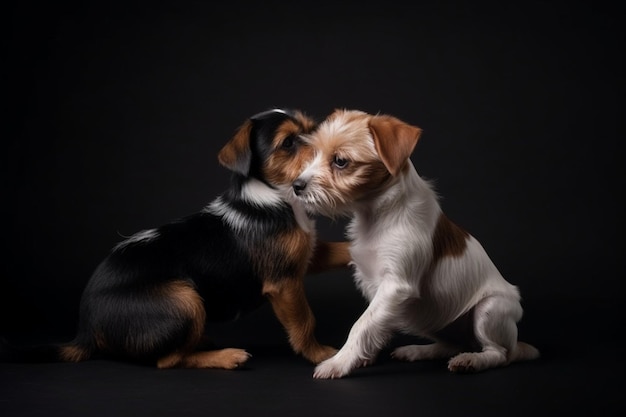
422,274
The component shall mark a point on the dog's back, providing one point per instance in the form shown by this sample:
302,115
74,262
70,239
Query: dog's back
150,298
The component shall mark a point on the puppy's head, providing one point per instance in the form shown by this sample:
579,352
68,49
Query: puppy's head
269,147
356,156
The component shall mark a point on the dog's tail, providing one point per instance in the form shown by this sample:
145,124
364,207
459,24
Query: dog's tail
74,351
524,352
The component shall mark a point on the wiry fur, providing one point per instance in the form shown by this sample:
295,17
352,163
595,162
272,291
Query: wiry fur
421,273
149,299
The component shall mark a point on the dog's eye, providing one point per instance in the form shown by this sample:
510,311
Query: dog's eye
339,162
289,142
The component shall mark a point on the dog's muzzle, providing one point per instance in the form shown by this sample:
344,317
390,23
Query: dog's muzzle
299,186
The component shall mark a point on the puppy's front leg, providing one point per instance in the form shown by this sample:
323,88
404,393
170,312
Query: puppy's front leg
329,255
290,305
368,335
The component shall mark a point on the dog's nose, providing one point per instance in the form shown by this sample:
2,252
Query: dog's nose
298,186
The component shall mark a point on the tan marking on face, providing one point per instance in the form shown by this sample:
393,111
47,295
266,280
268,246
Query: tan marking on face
307,123
286,128
345,135
285,164
448,239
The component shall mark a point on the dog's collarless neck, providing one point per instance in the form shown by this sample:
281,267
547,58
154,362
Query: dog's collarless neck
255,192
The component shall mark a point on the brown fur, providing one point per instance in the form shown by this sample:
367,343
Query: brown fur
446,289
73,353
238,148
329,255
281,259
394,141
448,239
283,166
189,303
364,174
286,293
296,248
289,303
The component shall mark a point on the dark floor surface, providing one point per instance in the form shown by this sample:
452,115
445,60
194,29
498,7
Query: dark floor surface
581,371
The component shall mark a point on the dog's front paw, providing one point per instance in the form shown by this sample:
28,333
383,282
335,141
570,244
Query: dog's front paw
330,369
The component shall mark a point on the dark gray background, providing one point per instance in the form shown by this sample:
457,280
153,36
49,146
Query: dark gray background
113,117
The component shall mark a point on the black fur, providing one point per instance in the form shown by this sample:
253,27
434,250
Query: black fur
125,309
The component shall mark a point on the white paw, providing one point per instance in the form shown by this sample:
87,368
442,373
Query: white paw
464,362
331,369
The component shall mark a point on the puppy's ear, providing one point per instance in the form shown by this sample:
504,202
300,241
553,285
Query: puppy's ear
394,140
236,154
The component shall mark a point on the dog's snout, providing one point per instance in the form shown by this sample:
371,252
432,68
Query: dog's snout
298,186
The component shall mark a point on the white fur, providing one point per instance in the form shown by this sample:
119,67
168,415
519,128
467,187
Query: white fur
260,194
254,192
237,221
392,250
142,236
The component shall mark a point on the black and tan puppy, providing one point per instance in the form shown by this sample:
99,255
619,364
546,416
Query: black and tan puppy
150,298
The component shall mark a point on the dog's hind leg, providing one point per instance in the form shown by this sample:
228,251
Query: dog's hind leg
495,327
450,341
188,304
413,353
292,309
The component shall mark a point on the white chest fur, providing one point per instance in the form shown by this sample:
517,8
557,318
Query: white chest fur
392,235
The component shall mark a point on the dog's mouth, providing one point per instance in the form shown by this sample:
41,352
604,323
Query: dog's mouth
299,199
290,197
309,204
319,203
302,199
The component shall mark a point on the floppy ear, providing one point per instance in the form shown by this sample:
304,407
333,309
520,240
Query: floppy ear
394,141
236,154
